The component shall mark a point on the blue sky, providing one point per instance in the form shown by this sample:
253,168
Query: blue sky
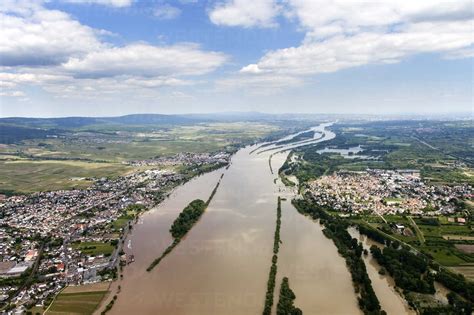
113,57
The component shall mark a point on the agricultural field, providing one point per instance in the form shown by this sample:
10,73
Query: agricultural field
26,176
119,145
448,243
55,159
78,300
466,269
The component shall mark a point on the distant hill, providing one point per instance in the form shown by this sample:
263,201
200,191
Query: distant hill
138,119
233,116
78,122
149,119
14,129
11,134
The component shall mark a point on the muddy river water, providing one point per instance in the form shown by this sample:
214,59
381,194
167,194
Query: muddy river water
222,265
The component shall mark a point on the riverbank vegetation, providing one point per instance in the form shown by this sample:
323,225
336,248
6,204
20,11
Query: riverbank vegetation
409,270
286,300
184,222
350,249
415,273
285,130
285,171
270,163
306,135
267,310
287,182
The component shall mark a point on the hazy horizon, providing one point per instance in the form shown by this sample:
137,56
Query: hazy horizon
416,115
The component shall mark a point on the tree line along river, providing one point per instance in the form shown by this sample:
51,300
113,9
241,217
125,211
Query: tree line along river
221,266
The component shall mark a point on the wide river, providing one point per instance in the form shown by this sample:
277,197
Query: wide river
222,265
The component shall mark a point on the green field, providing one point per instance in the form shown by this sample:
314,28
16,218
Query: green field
94,248
445,229
122,221
76,303
445,256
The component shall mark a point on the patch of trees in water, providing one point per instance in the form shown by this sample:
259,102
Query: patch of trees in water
286,300
187,218
351,249
267,310
275,136
184,222
456,283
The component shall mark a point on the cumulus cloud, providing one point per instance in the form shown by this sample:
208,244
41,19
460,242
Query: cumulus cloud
166,12
50,49
246,13
347,33
13,79
335,17
252,68
342,52
32,35
146,60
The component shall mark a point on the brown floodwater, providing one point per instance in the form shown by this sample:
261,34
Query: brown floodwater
222,265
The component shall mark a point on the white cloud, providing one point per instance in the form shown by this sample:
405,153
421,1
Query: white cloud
335,17
146,60
166,12
246,13
12,79
49,49
460,54
32,35
112,3
347,33
13,94
252,68
343,52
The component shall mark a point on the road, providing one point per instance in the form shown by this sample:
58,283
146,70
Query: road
420,235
